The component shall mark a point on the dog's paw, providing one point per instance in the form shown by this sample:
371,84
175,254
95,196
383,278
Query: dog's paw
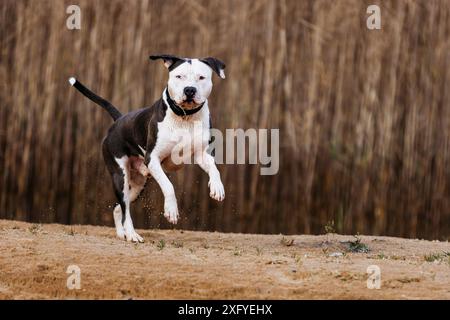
216,190
132,236
171,211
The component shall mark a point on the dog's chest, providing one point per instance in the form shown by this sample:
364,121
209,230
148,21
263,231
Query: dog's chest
187,134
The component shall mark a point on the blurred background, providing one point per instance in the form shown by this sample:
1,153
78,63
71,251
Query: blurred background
364,115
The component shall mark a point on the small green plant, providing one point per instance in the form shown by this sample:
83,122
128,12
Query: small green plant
237,252
287,241
357,246
177,244
258,251
330,227
441,256
35,228
381,256
161,244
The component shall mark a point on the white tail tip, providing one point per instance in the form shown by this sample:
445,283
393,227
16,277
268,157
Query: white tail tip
72,81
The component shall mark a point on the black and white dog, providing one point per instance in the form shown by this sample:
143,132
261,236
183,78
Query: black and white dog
140,143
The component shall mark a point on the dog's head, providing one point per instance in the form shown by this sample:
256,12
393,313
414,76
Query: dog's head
190,80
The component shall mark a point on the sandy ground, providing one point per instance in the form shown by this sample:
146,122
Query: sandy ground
175,264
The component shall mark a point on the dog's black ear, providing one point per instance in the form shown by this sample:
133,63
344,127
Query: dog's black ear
169,61
215,64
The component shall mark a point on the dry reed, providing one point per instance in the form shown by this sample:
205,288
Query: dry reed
364,115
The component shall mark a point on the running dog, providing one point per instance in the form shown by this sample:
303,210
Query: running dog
139,144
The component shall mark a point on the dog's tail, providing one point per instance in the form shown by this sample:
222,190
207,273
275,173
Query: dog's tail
113,112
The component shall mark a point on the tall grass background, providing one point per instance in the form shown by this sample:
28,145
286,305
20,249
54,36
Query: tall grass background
364,116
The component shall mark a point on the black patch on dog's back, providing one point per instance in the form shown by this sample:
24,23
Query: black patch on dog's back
134,130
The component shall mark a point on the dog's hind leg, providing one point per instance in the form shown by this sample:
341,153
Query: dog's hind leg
138,177
120,230
118,184
130,233
118,168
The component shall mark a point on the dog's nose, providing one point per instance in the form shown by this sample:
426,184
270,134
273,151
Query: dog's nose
190,92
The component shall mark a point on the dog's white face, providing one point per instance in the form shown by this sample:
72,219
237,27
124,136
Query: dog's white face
190,83
190,80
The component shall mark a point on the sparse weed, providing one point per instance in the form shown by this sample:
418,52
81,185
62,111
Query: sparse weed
287,241
349,276
440,257
177,244
357,246
330,227
161,244
297,258
432,257
381,256
35,228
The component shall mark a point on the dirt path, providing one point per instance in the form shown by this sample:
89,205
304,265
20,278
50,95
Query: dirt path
174,264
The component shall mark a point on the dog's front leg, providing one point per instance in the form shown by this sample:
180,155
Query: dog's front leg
206,162
170,201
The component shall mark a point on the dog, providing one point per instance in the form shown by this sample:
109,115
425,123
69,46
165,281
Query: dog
139,144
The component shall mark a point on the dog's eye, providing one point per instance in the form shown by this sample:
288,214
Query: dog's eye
178,77
201,78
